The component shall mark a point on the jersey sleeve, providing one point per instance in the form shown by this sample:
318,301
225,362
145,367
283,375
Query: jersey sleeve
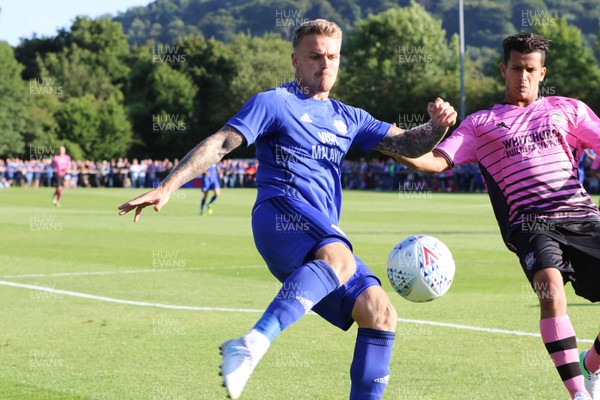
460,147
257,117
370,130
588,127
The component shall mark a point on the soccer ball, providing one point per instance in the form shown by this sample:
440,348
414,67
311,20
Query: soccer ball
420,268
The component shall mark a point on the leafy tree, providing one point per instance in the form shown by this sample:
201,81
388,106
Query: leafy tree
261,63
91,59
79,100
29,52
571,68
210,66
388,56
94,129
19,126
160,100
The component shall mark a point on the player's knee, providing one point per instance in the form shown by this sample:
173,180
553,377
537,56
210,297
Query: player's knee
390,318
549,287
374,310
340,259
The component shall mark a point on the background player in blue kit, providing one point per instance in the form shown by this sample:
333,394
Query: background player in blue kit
301,139
210,181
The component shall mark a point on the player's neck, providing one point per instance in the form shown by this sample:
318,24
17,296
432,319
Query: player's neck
319,96
520,102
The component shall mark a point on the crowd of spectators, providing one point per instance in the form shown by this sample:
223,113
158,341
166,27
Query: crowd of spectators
116,173
380,175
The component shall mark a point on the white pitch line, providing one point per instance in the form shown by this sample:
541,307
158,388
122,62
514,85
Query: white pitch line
479,328
125,271
244,310
121,301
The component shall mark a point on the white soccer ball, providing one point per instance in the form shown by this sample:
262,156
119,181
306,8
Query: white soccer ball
421,268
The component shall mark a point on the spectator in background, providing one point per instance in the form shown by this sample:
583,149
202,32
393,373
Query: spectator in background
3,180
134,173
587,157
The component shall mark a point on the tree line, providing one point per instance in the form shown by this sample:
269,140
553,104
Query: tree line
92,90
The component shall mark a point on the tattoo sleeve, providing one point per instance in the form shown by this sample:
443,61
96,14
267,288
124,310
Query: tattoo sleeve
411,143
208,152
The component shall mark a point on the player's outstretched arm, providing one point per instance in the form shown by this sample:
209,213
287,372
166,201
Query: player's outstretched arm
415,142
431,163
208,152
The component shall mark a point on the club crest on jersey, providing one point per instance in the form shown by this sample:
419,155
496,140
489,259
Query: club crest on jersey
340,126
558,118
530,260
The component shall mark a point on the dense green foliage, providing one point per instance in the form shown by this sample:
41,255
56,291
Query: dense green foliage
488,21
154,81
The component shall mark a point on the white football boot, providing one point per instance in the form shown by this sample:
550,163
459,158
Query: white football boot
238,364
592,379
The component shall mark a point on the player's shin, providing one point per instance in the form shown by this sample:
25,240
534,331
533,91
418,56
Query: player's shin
305,287
370,369
560,341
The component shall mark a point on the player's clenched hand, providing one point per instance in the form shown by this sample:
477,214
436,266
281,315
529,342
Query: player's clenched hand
157,198
442,113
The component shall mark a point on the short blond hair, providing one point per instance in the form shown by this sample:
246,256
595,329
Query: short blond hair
315,27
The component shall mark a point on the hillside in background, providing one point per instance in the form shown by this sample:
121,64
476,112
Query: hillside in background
487,22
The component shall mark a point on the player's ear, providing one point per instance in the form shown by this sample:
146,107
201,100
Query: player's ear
502,70
543,74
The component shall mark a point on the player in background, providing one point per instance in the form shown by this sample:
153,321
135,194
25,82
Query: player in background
595,171
301,138
587,154
60,164
595,168
210,181
528,149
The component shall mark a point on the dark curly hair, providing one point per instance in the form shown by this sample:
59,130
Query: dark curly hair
525,42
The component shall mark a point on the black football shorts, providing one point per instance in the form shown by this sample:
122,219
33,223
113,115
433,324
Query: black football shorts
571,247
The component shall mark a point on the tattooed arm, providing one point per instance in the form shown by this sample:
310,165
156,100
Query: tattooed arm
413,147
208,152
412,143
198,160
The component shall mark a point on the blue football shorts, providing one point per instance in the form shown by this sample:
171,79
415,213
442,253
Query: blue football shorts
210,183
288,232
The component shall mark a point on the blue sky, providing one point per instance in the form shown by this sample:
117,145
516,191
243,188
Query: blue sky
23,18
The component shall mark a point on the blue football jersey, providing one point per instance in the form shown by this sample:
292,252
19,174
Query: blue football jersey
301,143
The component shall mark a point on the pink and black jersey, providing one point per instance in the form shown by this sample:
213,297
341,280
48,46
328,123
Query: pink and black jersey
528,157
61,164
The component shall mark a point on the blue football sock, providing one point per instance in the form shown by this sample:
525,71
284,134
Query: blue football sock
212,200
370,368
305,287
202,205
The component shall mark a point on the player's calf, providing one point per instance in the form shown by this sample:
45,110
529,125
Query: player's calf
376,318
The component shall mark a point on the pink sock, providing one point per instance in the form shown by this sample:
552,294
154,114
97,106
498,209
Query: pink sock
559,337
592,357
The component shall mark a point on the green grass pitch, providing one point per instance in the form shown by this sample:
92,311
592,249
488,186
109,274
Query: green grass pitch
112,322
